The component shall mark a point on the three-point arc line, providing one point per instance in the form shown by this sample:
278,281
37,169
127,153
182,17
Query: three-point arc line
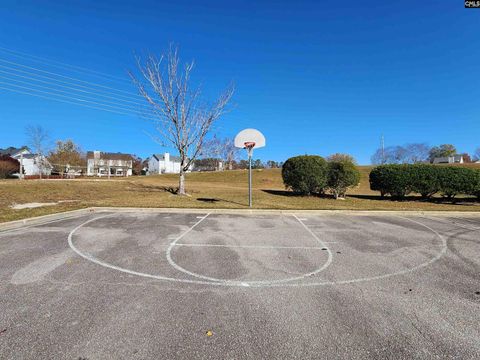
252,284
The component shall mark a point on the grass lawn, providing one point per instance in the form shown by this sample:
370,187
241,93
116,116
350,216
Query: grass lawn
228,189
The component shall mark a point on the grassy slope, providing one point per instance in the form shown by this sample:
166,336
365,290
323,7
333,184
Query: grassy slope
207,190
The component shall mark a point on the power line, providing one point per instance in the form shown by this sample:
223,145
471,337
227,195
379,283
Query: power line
35,76
67,77
117,102
69,101
68,97
61,64
120,105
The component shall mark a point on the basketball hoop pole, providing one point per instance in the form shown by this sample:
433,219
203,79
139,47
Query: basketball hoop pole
250,150
248,139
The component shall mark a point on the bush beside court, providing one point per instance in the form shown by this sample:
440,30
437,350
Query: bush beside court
426,180
305,174
311,174
341,176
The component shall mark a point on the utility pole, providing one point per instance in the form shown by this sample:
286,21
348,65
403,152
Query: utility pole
383,149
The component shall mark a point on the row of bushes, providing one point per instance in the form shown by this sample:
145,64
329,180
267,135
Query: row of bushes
312,174
426,180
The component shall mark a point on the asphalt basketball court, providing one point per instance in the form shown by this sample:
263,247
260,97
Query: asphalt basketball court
153,284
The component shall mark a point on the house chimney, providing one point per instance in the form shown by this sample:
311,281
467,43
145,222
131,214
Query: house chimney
96,154
167,157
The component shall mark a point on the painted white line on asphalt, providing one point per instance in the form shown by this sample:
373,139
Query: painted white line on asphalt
451,223
168,253
118,268
9,231
379,277
256,282
251,246
267,284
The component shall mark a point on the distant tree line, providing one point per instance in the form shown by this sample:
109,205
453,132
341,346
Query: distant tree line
213,164
416,153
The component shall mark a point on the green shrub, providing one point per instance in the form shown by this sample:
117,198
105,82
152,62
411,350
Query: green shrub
340,176
376,180
391,179
476,184
456,180
424,179
399,180
306,174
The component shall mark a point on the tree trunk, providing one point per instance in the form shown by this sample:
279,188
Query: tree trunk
181,183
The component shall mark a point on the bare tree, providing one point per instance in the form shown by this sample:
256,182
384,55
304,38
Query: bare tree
407,154
476,155
389,155
223,149
229,152
416,153
38,139
339,157
181,118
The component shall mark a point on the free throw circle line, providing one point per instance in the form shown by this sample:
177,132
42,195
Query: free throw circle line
251,282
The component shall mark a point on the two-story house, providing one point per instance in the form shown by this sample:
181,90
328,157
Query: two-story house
109,164
163,164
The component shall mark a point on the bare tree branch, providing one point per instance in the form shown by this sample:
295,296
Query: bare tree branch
181,119
38,139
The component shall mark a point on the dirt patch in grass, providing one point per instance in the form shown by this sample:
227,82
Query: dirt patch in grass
228,189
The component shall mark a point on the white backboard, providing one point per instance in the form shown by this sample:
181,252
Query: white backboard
249,136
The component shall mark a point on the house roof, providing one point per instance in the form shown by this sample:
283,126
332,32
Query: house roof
161,157
458,156
110,156
29,156
12,150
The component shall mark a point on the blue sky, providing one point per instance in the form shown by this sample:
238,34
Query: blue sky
315,77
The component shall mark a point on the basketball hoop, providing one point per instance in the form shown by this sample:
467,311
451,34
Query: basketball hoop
248,139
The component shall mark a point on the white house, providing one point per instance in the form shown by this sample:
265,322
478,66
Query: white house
163,164
109,164
32,164
455,159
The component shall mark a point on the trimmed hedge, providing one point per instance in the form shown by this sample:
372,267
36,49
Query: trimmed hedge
424,179
427,180
476,187
391,180
456,180
340,176
306,174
